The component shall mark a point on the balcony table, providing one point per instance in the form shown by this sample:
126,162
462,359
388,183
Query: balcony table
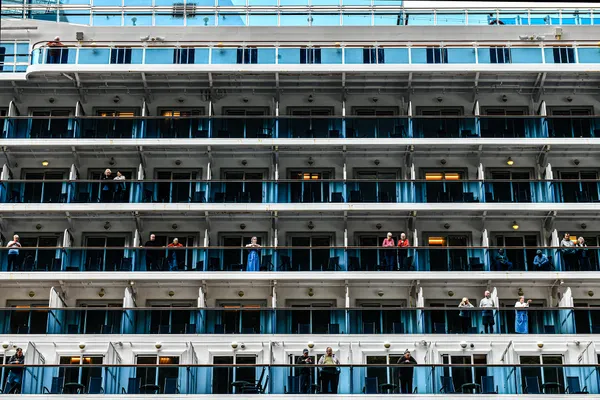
149,388
551,388
388,388
471,388
73,388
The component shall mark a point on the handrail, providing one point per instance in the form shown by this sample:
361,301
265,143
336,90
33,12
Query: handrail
297,365
302,308
302,247
293,117
295,180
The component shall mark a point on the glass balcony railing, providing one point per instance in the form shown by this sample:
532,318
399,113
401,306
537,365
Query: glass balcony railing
244,320
440,258
327,53
300,191
249,377
286,127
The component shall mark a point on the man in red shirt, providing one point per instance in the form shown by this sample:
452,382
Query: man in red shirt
173,264
389,252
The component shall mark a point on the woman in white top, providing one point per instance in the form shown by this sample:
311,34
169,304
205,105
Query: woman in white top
521,319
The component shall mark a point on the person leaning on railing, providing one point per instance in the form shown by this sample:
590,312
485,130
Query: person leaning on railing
54,51
13,381
330,373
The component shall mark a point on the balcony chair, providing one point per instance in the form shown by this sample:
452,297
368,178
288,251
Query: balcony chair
467,133
293,385
56,265
214,264
199,197
106,329
72,329
368,328
489,197
582,197
336,197
487,385
219,197
63,198
447,385
190,329
353,264
231,198
532,385
475,264
171,386
15,197
148,196
549,329
258,387
285,264
245,197
56,387
356,196
304,329
219,329
333,329
95,385
199,266
469,197
439,328
398,328
333,134
574,387
126,264
371,386
266,263
384,197
333,264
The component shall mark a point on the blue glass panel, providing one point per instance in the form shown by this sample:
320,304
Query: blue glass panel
418,55
294,19
168,3
451,19
331,56
208,3
137,56
526,56
104,3
74,17
325,2
461,56
201,56
293,2
589,55
353,56
514,17
387,2
481,17
356,19
21,68
419,18
231,3
483,55
289,56
72,2
266,56
573,17
159,56
202,20
232,19
540,18
138,19
262,2
394,19
262,19
590,21
224,56
396,56
9,52
49,15
356,2
106,19
137,3
22,52
94,56
325,19
168,20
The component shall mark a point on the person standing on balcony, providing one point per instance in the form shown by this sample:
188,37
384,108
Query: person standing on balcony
465,314
55,51
330,373
305,372
487,316
153,254
521,319
173,262
107,192
253,264
541,261
13,381
13,253
119,186
403,245
406,372
582,254
389,252
569,252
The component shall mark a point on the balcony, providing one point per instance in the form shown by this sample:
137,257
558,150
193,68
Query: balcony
253,320
305,189
245,377
438,257
314,127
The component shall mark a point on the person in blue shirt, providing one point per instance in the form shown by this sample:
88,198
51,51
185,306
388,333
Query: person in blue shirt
502,262
13,253
541,261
